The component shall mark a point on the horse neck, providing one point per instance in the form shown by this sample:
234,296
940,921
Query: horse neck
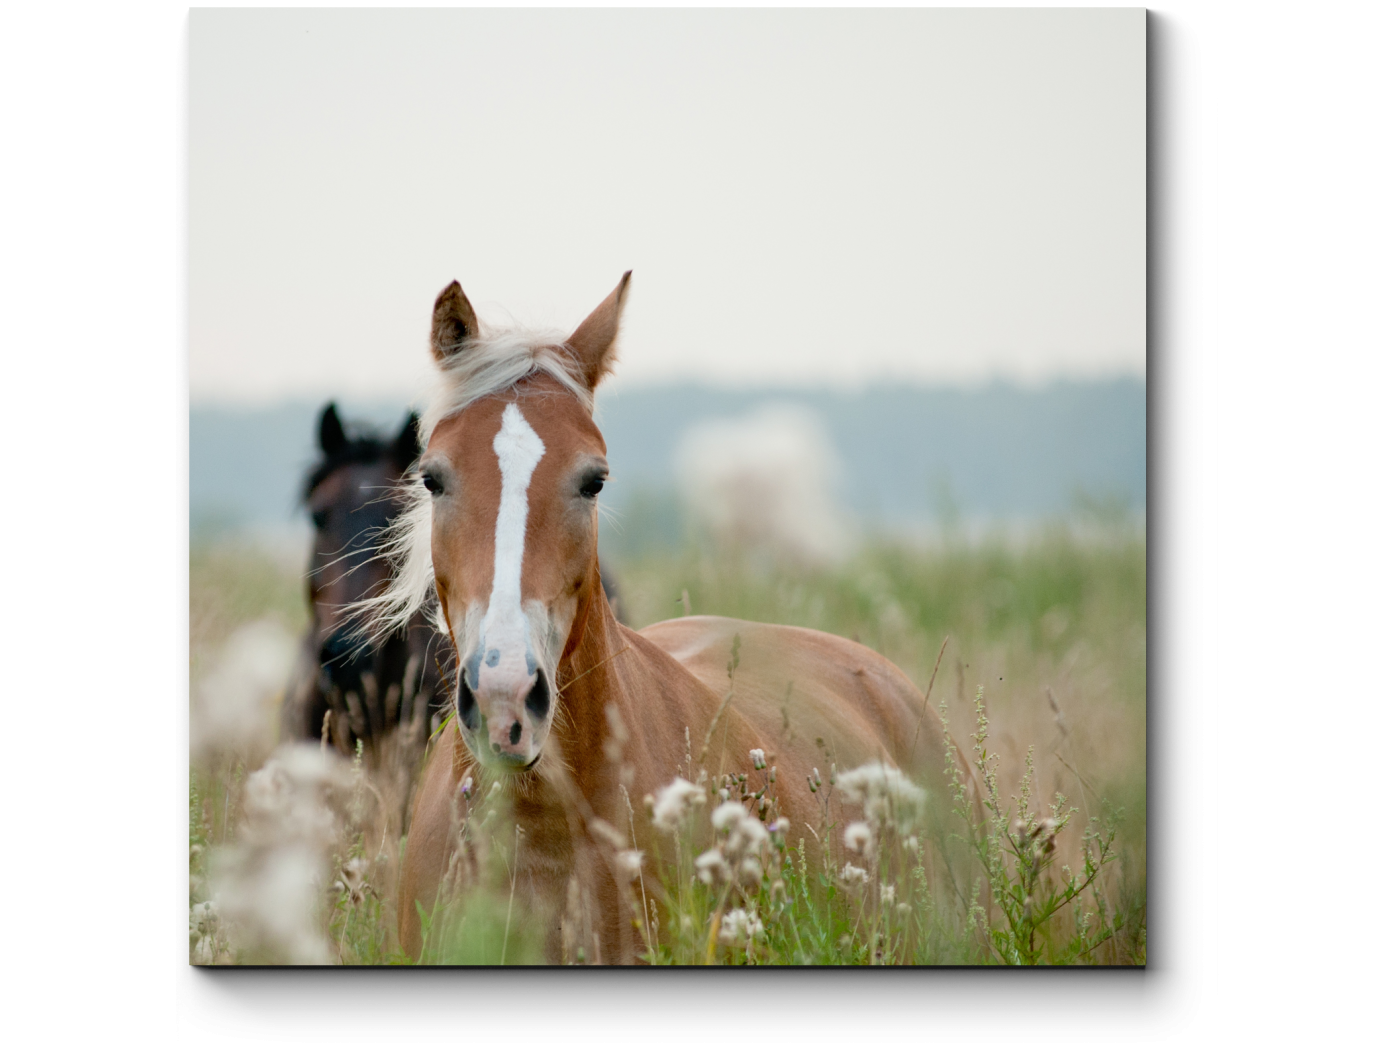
588,677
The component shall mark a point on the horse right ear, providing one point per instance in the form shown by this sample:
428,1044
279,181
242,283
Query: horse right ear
332,433
454,323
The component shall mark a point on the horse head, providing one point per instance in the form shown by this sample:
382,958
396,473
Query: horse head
352,496
508,506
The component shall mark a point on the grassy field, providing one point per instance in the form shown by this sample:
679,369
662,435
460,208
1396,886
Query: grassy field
1028,847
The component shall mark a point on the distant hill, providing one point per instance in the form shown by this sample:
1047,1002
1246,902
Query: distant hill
909,456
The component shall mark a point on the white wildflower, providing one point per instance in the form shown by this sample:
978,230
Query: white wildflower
750,871
757,755
674,802
270,884
711,867
889,798
629,863
853,878
749,836
351,879
886,893
740,926
858,837
234,707
727,814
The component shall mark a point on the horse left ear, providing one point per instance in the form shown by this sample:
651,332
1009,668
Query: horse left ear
330,432
454,323
405,448
595,341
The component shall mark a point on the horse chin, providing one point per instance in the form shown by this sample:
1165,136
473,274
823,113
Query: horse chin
509,765
513,765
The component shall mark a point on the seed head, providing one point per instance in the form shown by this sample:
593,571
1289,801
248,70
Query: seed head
711,867
890,799
629,864
747,837
757,755
858,837
750,871
853,878
727,814
740,926
674,803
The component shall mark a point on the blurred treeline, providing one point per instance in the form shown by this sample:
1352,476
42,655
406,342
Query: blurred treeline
907,459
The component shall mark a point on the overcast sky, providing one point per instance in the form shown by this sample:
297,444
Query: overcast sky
813,197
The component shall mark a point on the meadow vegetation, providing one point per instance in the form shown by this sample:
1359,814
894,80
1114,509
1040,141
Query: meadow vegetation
1026,845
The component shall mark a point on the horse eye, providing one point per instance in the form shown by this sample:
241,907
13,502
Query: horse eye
432,484
318,518
591,487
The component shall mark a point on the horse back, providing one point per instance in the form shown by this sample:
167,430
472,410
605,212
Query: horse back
798,686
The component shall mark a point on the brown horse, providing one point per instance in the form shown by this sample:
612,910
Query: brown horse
502,536
343,687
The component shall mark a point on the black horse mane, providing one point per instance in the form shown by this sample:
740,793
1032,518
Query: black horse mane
360,444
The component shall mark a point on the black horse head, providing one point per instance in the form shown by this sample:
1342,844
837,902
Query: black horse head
352,495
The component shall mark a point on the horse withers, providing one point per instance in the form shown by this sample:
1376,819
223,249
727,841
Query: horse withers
346,690
553,696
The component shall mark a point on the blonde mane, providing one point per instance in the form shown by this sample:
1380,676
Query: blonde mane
495,361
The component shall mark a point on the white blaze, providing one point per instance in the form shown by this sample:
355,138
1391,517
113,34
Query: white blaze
505,630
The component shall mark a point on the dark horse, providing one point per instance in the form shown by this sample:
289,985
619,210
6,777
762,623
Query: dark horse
402,680
345,690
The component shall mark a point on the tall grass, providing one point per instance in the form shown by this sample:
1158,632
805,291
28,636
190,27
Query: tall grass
1044,671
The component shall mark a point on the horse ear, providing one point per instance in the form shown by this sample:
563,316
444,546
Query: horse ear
454,323
405,449
332,433
595,341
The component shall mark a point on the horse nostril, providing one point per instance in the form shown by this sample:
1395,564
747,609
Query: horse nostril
515,734
467,711
537,703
